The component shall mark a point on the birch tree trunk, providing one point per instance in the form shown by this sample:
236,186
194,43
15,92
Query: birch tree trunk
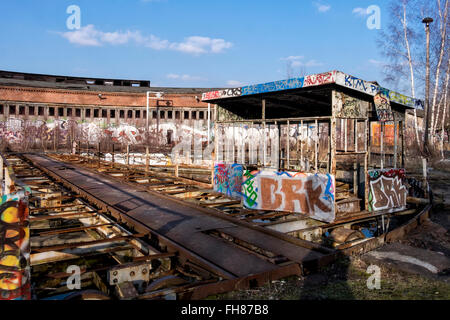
443,33
411,70
445,106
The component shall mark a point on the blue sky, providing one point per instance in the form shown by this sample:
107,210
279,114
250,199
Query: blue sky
190,43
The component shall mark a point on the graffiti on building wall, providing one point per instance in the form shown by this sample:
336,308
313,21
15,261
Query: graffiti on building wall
337,77
225,93
388,137
349,107
305,193
14,249
228,179
257,144
294,83
273,86
373,89
387,189
26,133
383,107
319,79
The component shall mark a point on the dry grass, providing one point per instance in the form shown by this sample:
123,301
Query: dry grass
347,280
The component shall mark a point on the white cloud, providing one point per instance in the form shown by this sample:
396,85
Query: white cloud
313,63
234,83
199,45
360,12
183,77
90,36
86,36
294,61
376,62
322,7
297,61
292,58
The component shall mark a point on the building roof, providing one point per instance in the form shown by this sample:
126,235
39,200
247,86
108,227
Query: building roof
9,78
316,80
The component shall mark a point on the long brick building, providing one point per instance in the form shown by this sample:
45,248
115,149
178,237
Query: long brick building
50,112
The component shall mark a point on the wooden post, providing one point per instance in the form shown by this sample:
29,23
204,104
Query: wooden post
264,131
395,143
402,130
212,174
113,155
329,152
54,137
147,159
425,174
288,145
8,182
128,154
333,146
316,147
98,155
345,133
216,144
333,133
302,163
234,145
366,164
382,144
355,165
243,145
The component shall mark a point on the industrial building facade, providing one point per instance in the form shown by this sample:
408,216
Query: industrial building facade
51,112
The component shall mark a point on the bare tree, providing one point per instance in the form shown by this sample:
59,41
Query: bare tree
445,105
406,58
443,21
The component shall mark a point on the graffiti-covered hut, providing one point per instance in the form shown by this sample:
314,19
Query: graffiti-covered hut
329,146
